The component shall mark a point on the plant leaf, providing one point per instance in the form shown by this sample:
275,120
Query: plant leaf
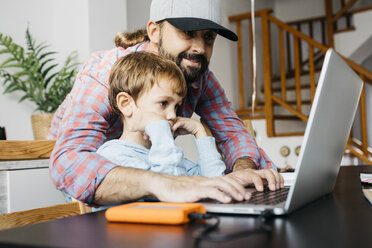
46,54
44,73
7,62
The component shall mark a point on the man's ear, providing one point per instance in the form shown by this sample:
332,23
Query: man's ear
124,103
153,31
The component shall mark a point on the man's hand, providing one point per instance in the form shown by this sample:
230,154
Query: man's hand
245,173
195,188
123,184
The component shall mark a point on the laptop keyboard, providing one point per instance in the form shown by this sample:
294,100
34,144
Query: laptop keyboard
268,197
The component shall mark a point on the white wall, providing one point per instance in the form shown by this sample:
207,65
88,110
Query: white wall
14,18
138,14
84,25
106,18
348,42
291,10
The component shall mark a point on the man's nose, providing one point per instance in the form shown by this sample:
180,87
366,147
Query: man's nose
198,45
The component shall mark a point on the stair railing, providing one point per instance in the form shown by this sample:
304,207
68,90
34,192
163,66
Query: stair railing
331,19
238,19
309,47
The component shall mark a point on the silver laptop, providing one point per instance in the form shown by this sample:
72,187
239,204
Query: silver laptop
331,117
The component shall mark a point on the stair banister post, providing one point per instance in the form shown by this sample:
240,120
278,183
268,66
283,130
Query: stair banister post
329,22
240,65
267,73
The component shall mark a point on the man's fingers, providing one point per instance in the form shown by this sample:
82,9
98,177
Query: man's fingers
216,194
257,181
270,178
281,181
243,192
225,186
278,178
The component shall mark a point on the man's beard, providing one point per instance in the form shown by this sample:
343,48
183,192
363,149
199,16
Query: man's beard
191,73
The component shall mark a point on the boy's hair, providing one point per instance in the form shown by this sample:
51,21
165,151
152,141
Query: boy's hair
139,71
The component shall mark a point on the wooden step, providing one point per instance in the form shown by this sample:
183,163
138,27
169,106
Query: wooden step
262,106
287,117
344,30
290,88
297,127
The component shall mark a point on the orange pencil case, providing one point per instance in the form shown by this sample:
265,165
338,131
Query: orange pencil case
154,212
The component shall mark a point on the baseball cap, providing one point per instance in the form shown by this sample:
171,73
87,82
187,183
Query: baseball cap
191,15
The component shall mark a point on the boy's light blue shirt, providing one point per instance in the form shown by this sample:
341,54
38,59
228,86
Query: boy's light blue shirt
164,156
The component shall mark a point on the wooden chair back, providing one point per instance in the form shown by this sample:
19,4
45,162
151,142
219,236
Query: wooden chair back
38,215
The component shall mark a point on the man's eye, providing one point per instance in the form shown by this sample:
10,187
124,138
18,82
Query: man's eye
210,36
190,33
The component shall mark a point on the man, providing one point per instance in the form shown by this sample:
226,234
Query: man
183,31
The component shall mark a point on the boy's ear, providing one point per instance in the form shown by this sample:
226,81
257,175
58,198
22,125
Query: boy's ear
124,103
153,31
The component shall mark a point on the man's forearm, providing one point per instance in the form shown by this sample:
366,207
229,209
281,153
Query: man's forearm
244,163
127,184
124,184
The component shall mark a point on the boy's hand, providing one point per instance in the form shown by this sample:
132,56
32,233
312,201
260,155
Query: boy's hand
184,126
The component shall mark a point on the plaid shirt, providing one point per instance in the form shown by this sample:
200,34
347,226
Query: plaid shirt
85,120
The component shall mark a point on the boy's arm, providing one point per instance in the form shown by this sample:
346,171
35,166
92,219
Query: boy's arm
209,162
164,155
209,159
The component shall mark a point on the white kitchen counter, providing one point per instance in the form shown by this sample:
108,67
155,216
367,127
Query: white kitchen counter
26,184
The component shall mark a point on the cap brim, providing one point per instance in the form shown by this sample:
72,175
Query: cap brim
195,24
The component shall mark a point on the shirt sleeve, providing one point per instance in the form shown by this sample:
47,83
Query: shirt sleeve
75,167
229,131
209,160
125,154
164,155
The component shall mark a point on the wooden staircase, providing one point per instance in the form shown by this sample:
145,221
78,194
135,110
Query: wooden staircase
291,61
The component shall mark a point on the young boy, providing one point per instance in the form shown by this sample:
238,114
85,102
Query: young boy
146,89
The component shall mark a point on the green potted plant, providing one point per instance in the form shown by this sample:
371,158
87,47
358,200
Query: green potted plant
34,72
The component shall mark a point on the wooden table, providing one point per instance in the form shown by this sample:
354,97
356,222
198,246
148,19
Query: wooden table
341,219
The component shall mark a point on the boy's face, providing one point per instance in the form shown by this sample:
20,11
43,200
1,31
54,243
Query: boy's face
191,51
161,99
